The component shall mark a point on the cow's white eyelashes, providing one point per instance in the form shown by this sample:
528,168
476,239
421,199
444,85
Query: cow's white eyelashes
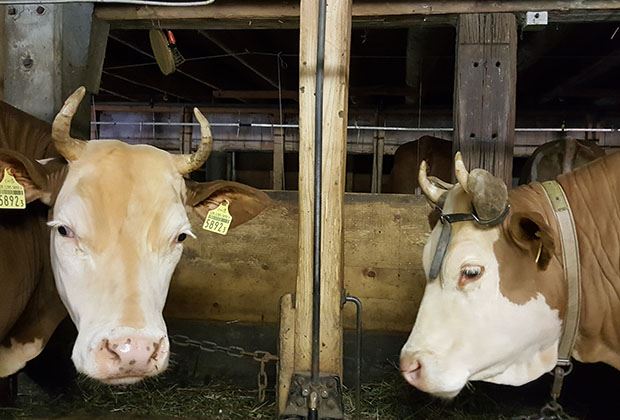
470,273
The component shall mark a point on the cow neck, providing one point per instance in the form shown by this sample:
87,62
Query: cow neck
594,194
571,267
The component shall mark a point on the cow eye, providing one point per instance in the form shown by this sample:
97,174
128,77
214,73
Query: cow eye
65,231
182,237
470,273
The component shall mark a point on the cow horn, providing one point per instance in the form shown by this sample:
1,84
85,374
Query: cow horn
460,171
488,193
430,190
67,146
190,162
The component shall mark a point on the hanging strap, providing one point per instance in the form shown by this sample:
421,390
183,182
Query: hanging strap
572,268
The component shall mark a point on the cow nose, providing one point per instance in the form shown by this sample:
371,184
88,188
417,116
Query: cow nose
131,356
411,368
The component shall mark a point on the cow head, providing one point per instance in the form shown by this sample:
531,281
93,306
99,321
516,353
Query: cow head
118,223
487,312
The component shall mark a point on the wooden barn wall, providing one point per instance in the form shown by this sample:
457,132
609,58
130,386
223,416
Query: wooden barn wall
239,278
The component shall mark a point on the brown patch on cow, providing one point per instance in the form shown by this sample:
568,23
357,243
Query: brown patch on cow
521,277
517,272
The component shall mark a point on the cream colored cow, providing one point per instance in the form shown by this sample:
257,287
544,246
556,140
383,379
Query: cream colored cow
118,222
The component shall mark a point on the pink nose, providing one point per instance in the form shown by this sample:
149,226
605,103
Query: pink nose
411,369
131,357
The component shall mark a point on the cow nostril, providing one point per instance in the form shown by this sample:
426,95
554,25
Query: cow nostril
112,350
415,366
156,347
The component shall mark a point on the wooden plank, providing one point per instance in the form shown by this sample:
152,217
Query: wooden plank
278,159
485,92
241,276
373,13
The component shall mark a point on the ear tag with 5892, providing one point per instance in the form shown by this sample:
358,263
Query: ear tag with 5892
218,220
12,194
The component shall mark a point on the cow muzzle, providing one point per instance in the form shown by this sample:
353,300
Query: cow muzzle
129,358
421,371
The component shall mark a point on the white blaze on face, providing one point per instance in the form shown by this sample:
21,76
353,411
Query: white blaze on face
465,328
114,247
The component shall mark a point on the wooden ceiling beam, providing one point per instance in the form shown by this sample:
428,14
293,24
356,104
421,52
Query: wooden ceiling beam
278,14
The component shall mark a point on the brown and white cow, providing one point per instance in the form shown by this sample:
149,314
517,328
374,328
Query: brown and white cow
495,311
116,226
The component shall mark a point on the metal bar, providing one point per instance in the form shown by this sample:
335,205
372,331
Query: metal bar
355,127
358,352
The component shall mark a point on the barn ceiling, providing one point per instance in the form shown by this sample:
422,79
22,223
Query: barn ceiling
564,66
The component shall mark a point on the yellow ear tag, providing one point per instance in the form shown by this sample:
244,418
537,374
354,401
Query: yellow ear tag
12,195
218,220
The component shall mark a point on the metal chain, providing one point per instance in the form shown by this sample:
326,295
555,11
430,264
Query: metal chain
551,411
261,356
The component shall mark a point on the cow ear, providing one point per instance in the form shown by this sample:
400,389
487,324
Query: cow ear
245,202
40,181
530,232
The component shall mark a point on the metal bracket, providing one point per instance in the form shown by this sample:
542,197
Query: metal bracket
535,21
324,397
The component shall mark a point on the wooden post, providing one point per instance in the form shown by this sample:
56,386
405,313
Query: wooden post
349,180
307,89
379,150
485,91
278,158
286,349
94,129
187,131
337,52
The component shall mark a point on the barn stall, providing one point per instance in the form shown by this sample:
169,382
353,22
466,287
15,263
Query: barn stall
415,68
